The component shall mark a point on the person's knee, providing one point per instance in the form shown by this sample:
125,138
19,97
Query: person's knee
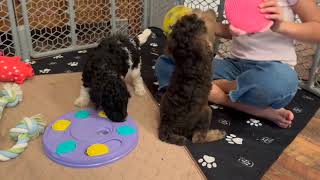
164,68
284,88
273,86
284,80
224,69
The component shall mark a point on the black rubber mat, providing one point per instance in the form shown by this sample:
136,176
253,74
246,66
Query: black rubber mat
252,145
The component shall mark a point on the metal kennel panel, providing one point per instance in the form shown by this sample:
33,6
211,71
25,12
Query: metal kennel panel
313,83
55,26
309,61
9,43
158,9
129,16
93,20
47,26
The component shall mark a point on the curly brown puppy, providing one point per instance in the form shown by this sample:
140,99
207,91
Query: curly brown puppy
184,109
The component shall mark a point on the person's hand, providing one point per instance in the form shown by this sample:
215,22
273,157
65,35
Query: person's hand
273,12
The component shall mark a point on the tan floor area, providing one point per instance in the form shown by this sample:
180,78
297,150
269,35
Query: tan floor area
53,95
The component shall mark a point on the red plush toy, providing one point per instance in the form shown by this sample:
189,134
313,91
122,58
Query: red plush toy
12,69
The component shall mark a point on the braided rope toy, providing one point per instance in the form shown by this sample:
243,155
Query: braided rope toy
26,130
10,96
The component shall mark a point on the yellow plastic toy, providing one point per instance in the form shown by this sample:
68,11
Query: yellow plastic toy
61,125
97,150
172,16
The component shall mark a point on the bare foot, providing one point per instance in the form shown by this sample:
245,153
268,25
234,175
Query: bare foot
217,95
282,117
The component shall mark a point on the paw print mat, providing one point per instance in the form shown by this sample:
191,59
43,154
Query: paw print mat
252,145
63,63
74,61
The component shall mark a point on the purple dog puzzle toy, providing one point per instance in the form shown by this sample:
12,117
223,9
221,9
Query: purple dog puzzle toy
87,138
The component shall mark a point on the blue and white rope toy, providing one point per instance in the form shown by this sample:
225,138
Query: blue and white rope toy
10,96
26,130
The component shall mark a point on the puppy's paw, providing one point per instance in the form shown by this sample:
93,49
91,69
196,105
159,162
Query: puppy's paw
215,135
143,37
140,90
199,137
210,136
81,102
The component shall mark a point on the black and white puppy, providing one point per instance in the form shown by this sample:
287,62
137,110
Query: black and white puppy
115,62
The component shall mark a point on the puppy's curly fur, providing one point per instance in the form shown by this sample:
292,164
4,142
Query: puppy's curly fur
103,77
184,109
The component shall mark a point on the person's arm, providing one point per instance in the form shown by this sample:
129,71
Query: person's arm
309,29
309,13
222,30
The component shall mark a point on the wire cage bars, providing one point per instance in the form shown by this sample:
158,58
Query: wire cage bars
47,27
8,34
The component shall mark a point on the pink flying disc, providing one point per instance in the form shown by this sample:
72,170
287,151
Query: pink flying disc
245,17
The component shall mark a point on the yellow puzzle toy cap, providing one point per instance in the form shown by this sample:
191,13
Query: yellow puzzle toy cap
172,16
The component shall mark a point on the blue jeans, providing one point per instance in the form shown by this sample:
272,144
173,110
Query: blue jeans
259,83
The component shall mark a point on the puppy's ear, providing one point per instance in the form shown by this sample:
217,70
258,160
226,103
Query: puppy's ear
116,86
115,97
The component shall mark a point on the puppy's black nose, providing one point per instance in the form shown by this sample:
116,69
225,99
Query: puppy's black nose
117,117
